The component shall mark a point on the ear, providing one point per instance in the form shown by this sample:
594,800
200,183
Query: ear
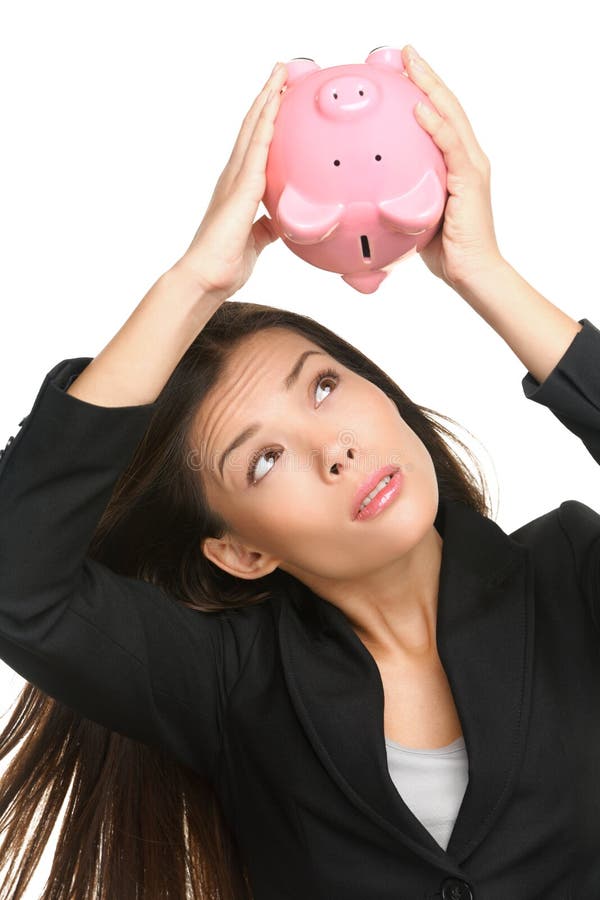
236,558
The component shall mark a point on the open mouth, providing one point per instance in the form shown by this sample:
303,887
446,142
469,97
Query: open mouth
385,492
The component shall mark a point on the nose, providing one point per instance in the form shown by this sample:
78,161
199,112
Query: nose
347,96
338,457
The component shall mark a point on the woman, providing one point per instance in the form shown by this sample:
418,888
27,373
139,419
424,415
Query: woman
405,703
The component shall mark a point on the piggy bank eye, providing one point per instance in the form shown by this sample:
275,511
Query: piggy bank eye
336,162
309,58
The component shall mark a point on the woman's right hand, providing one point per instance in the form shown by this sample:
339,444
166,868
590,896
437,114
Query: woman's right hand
228,242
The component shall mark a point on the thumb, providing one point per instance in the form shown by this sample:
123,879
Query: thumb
264,233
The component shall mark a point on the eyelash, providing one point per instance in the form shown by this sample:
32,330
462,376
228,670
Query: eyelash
327,373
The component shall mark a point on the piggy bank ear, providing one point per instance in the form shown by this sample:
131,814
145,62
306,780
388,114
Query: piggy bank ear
298,67
304,222
386,57
417,210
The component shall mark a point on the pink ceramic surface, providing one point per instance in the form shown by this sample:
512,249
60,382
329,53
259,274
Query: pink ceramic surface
354,183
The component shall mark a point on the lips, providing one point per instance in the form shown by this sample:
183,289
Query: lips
367,486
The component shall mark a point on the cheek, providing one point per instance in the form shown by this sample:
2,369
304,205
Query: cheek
288,504
275,515
418,464
301,522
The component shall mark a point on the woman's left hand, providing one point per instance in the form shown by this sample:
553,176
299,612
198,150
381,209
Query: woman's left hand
465,243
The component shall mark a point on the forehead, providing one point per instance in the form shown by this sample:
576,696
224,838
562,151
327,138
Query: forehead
277,346
262,361
266,355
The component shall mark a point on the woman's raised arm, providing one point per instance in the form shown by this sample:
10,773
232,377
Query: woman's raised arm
136,364
118,649
465,254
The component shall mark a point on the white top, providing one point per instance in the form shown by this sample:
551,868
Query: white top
432,783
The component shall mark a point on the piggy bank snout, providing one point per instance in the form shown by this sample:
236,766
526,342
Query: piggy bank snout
346,96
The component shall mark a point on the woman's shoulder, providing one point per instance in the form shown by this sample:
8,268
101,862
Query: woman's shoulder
565,545
572,520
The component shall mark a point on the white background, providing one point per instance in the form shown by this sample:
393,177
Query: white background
118,117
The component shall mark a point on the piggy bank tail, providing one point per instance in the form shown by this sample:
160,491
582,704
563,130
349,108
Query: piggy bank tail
366,282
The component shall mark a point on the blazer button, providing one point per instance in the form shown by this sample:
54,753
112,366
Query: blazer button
455,889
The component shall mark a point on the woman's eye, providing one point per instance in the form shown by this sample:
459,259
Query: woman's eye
257,469
331,377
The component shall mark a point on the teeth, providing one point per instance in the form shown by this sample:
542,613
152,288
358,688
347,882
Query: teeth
375,491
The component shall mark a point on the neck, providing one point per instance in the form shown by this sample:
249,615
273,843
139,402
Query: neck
394,611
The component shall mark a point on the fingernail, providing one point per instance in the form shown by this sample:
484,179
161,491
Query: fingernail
415,61
425,111
275,67
411,52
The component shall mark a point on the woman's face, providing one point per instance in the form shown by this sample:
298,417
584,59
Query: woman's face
315,444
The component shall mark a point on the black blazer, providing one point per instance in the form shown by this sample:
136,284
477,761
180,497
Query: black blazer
282,705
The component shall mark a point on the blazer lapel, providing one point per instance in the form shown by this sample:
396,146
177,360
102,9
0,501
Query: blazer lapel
485,643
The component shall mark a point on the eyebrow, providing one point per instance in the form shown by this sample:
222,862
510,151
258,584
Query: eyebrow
288,383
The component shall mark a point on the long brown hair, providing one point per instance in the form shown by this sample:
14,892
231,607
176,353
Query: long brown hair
127,833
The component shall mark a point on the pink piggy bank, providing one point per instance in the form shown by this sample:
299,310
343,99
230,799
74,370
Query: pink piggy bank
353,183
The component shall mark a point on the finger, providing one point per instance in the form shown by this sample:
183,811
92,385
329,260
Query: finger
254,163
264,233
275,82
246,189
444,102
457,158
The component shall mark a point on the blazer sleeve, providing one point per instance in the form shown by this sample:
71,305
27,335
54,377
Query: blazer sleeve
572,393
118,650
